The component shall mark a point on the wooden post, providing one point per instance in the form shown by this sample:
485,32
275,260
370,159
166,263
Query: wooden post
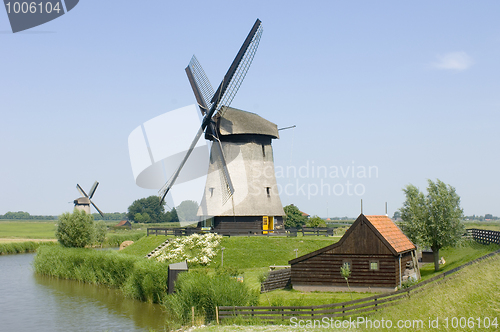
192,316
217,314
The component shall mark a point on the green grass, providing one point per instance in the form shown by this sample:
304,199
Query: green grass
22,247
455,257
490,225
114,240
144,245
256,251
28,230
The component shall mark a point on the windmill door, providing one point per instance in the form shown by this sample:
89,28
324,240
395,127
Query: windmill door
267,224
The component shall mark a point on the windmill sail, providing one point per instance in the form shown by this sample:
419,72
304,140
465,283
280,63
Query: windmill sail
200,84
92,190
223,96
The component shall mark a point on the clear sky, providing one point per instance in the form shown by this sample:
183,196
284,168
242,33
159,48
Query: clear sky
410,89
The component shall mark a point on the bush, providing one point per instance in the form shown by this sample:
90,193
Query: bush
204,291
78,229
148,282
316,221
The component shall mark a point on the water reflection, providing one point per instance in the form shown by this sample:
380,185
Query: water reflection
30,302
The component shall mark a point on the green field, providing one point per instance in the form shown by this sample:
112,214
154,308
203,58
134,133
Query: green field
28,229
492,226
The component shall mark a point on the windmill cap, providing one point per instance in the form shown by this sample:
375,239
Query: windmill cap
236,122
82,201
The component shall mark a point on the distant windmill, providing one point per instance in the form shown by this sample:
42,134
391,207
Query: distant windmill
83,203
241,184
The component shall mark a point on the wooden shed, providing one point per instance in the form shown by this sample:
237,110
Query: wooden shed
125,224
380,257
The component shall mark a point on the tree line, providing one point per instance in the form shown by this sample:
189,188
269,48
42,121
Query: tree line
21,215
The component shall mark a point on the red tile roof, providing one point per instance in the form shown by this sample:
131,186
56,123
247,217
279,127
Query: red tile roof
122,223
391,232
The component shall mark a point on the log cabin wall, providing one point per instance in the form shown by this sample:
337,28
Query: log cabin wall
324,270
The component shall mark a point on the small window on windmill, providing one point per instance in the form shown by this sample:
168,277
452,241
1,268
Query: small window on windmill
268,191
263,150
211,191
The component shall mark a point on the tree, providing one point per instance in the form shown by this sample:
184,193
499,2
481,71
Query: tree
187,211
78,229
294,217
396,215
150,205
434,220
316,221
345,272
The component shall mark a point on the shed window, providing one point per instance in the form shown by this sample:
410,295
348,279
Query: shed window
373,265
348,263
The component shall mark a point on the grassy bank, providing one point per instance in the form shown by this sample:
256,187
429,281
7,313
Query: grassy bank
114,240
455,257
138,278
473,292
22,247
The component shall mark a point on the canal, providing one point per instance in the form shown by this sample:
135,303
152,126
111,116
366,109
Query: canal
29,302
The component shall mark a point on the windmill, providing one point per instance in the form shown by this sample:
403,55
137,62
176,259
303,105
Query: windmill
233,191
83,203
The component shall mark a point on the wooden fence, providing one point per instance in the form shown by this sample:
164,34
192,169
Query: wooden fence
277,279
317,231
484,236
344,309
224,232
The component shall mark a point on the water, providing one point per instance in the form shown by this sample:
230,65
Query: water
29,302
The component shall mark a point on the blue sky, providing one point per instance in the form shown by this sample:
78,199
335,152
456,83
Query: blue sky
409,89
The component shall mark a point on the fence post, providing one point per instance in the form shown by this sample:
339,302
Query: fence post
217,314
312,314
192,316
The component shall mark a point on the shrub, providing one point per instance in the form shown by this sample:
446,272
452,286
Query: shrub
197,249
204,291
148,281
315,221
78,229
